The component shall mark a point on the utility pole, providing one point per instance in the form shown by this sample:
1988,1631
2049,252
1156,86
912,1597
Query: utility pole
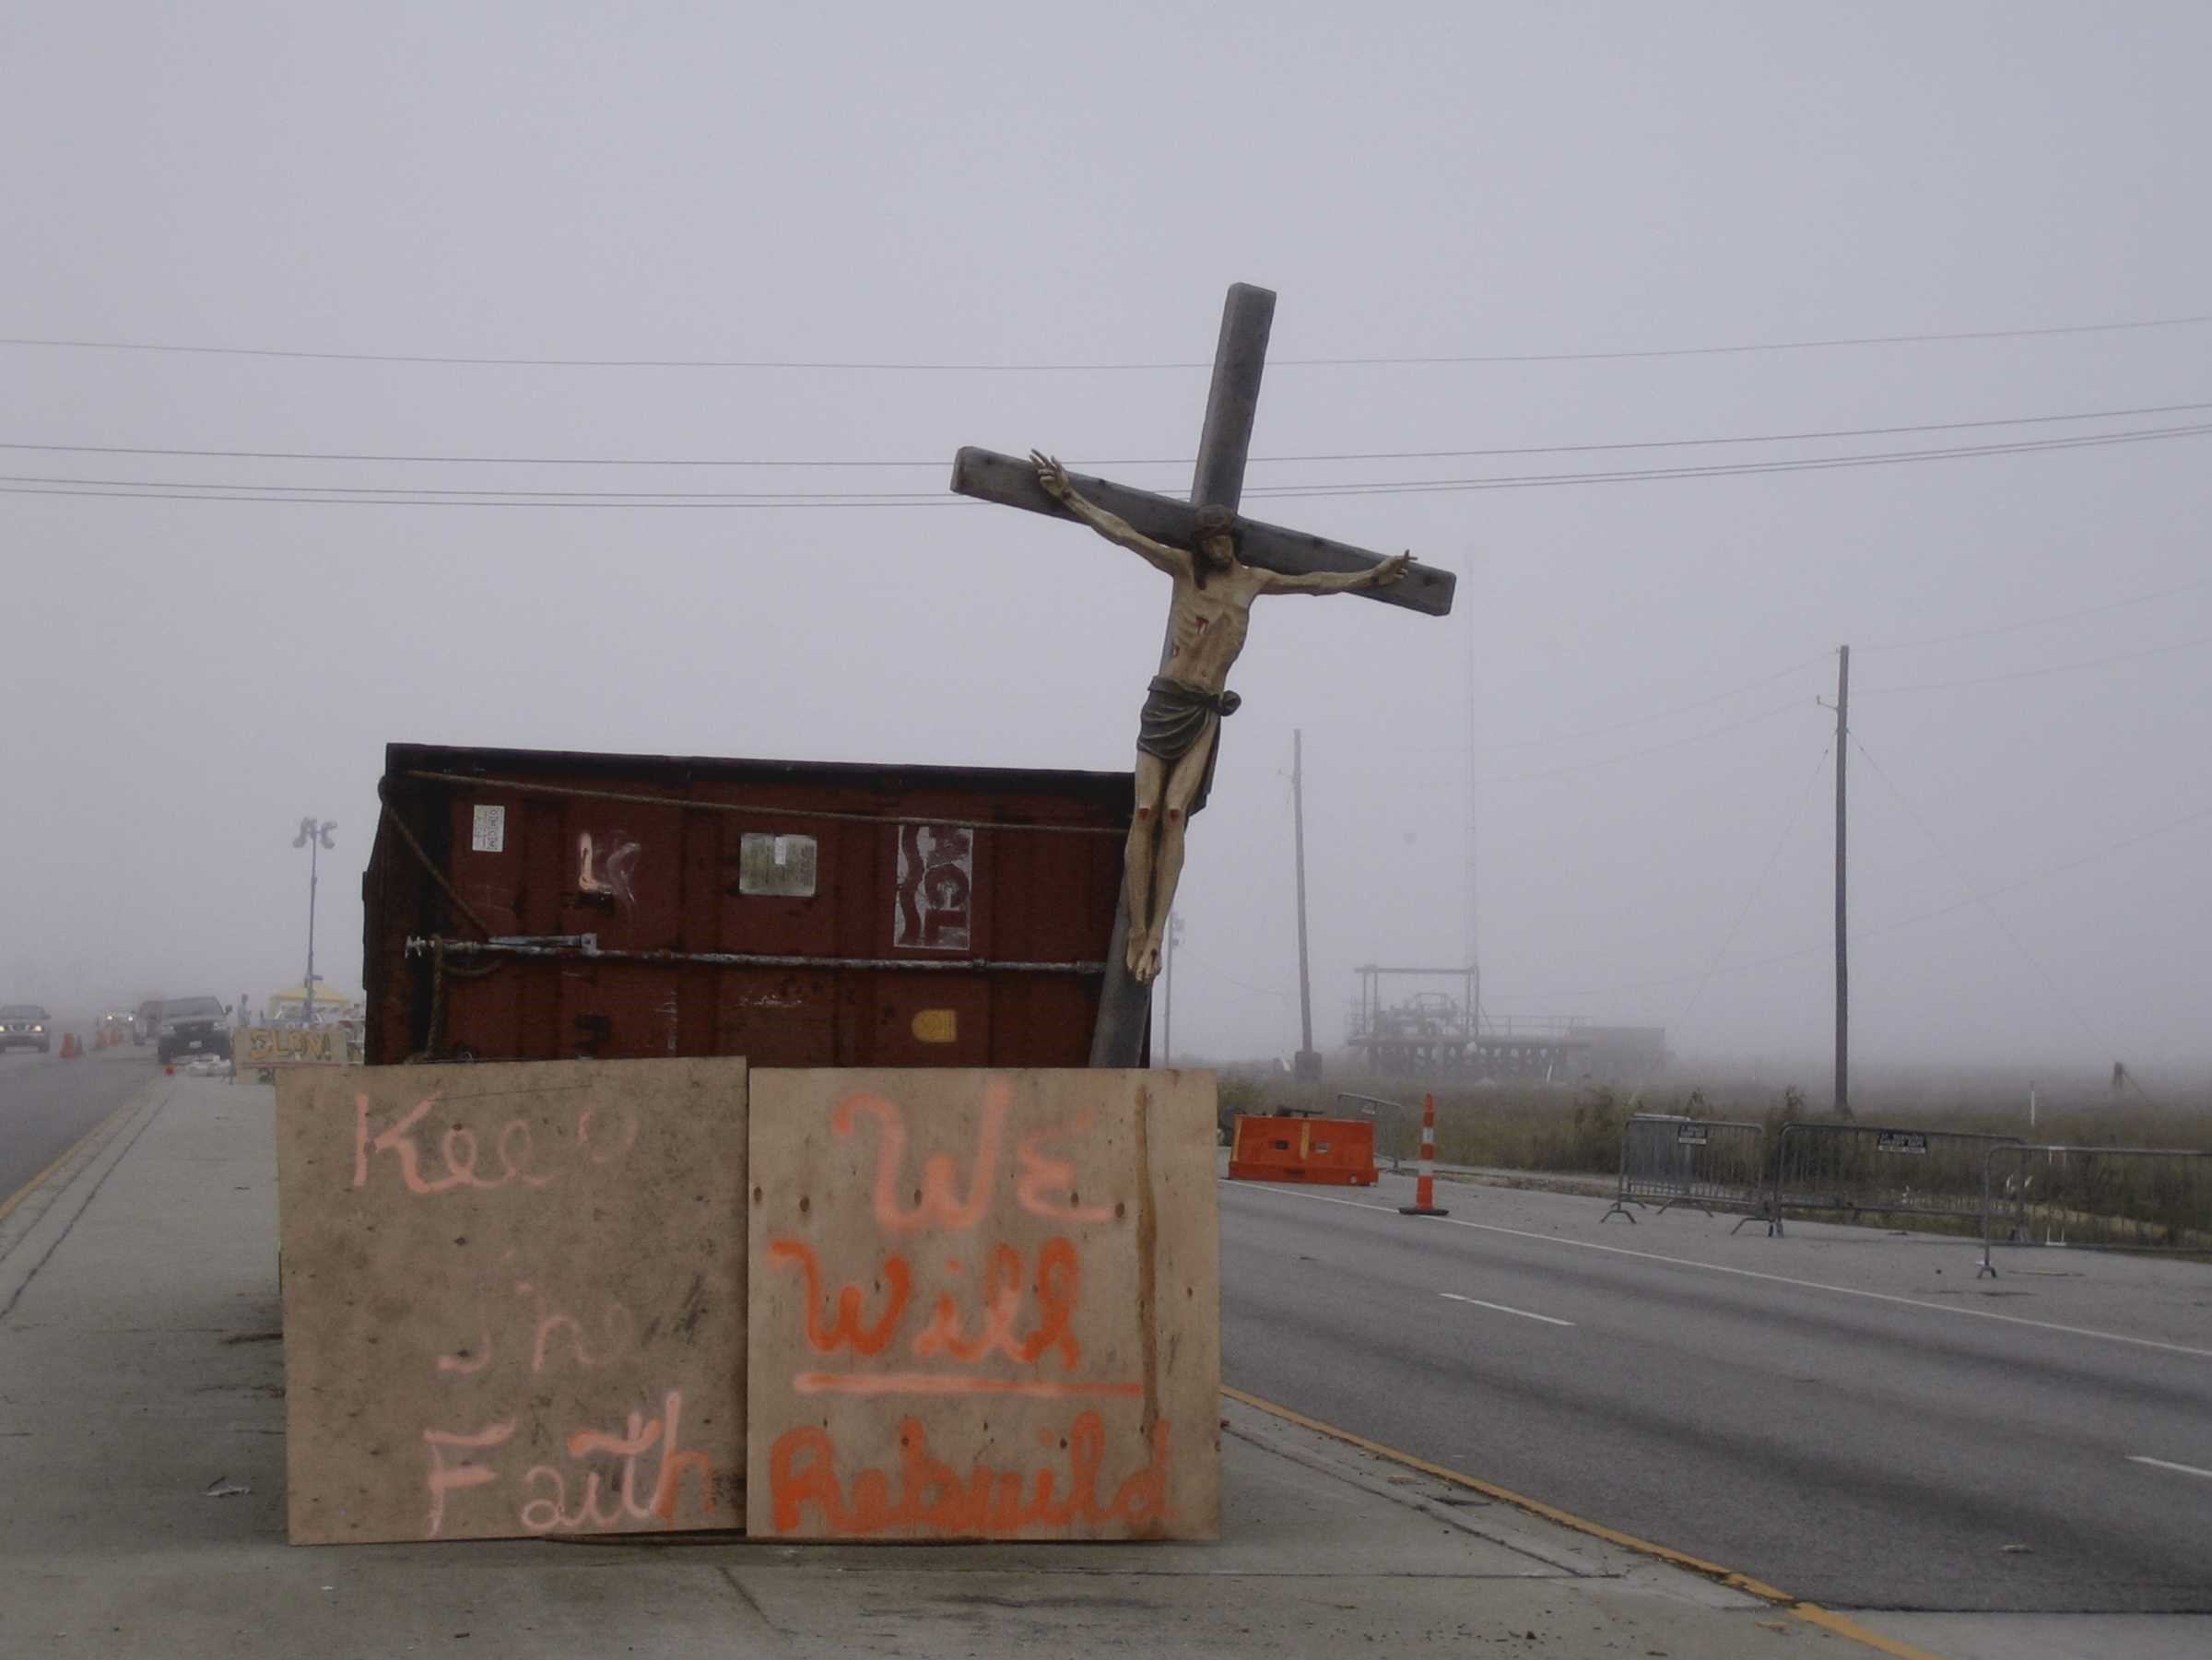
1842,957
1307,1068
1473,983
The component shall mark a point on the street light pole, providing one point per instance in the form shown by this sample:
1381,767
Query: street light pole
314,835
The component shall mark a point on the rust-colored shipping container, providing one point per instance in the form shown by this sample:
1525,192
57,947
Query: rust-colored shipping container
533,905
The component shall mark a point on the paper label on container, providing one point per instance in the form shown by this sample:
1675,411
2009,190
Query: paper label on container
782,865
932,911
487,830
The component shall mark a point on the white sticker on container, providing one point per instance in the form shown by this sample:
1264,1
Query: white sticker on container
487,830
771,864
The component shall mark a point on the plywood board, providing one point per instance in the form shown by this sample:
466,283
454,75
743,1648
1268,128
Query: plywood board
514,1298
983,1304
291,1046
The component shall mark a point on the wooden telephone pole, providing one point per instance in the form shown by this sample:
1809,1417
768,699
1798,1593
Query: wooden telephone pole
1307,1067
1842,949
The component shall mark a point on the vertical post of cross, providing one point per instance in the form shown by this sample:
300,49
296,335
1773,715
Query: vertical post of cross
1233,399
1224,446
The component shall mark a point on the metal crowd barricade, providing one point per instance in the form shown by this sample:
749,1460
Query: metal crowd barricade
1856,1171
1404,1125
1700,1162
2097,1198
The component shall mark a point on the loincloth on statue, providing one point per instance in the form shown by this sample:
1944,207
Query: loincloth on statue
1174,718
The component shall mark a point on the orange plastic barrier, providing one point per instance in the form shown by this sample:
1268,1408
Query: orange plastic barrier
1334,1152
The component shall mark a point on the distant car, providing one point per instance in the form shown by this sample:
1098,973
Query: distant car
25,1026
197,1025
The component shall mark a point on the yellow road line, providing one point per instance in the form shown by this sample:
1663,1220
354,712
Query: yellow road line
68,1153
1811,1613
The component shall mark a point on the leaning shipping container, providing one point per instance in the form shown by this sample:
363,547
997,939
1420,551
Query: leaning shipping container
535,905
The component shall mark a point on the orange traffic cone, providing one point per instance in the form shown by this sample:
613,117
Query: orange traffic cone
69,1047
1424,1185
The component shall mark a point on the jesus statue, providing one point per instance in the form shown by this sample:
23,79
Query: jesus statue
1176,734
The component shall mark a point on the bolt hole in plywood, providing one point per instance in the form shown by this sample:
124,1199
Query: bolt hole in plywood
514,1299
983,1304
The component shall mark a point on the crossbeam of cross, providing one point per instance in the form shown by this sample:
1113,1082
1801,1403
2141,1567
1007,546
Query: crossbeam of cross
1224,448
1011,481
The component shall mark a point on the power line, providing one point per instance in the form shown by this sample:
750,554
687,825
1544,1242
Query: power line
1257,990
2037,674
2037,622
435,492
1797,812
171,489
1798,667
1614,760
1857,935
2044,332
1730,469
1959,870
1662,715
1757,438
334,501
939,462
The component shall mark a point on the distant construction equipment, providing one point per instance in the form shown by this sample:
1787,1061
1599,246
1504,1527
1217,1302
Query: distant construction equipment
1435,1033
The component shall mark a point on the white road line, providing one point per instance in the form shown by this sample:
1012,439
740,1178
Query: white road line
2186,1469
1782,1279
1525,1314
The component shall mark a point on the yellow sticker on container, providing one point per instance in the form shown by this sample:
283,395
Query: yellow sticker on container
937,1025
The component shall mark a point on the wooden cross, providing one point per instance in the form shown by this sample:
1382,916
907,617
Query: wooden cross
1224,445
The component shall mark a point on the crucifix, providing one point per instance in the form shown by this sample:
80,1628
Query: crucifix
1220,562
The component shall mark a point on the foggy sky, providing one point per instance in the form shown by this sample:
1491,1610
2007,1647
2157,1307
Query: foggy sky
182,680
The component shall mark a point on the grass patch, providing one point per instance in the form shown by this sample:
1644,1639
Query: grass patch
1577,1128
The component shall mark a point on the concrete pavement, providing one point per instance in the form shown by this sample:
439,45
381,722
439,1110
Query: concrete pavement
141,1451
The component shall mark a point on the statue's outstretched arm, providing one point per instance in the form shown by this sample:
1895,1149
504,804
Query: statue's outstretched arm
1339,581
1054,478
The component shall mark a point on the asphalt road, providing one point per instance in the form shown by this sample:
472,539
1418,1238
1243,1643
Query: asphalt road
1850,1436
46,1103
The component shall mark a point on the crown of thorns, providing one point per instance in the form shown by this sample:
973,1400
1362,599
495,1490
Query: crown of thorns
1216,520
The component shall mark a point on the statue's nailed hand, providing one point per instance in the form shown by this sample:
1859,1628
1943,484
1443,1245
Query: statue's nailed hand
1391,569
1051,475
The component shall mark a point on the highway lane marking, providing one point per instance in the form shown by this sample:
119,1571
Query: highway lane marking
1811,1613
1780,1279
1525,1314
2162,1464
69,1152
